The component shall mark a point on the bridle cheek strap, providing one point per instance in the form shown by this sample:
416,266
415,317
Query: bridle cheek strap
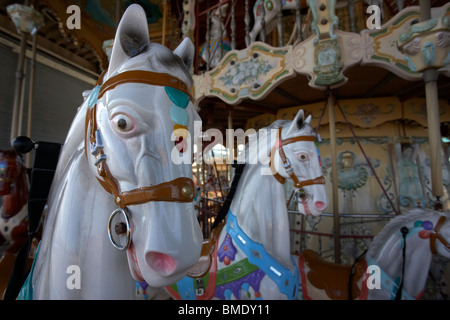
178,190
287,164
436,235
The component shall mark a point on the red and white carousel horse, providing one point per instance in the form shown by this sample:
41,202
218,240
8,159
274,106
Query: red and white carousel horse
120,207
14,211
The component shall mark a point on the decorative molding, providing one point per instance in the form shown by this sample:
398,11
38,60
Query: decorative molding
381,45
254,72
363,113
426,44
246,74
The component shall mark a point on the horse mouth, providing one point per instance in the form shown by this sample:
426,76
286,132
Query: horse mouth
134,268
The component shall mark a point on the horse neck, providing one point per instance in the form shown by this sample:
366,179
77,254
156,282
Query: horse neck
260,208
74,231
417,260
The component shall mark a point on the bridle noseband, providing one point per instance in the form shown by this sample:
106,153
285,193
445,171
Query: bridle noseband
287,164
436,235
178,190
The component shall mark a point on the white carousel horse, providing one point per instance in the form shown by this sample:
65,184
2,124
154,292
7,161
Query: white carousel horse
117,158
271,7
379,275
250,256
218,38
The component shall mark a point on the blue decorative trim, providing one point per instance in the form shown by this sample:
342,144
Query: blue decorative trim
429,53
286,281
26,293
179,98
411,64
179,115
447,60
93,97
390,285
186,289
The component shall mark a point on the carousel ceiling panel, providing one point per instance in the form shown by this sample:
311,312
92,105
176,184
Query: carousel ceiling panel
84,46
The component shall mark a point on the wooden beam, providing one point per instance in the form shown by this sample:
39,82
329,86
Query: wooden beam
51,48
379,85
258,106
419,90
288,96
413,90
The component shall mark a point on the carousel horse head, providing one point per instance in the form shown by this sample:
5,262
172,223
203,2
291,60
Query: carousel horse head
296,156
139,119
411,240
13,183
10,168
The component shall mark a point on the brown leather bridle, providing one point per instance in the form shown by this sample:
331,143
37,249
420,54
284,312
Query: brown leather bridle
287,164
437,236
178,190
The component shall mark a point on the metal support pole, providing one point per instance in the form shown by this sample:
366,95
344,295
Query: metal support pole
30,95
230,142
430,77
434,132
118,11
163,40
334,171
425,10
19,85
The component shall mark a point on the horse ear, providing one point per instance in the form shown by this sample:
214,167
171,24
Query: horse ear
308,119
186,52
297,123
131,39
224,9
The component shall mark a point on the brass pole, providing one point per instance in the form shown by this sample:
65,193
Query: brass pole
334,172
434,133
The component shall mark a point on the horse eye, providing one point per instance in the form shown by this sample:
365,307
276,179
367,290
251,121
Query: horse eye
303,157
122,123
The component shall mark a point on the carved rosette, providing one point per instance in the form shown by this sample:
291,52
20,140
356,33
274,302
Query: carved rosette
426,44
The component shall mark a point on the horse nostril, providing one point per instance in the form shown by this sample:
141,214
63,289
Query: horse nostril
320,205
160,262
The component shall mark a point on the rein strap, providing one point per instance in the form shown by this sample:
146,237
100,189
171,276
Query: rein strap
436,235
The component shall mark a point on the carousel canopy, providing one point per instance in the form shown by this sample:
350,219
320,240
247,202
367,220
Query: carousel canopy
84,48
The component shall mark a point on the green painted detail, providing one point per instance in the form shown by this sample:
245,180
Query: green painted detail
406,16
403,67
226,275
381,58
234,272
261,48
418,28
